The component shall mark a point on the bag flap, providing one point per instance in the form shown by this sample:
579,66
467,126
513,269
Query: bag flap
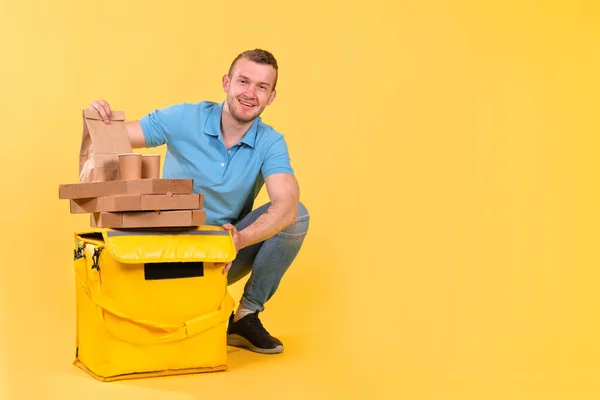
114,115
206,243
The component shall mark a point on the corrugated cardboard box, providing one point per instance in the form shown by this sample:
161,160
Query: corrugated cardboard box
137,202
120,187
144,219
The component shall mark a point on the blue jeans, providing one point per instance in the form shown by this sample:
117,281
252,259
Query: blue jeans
267,261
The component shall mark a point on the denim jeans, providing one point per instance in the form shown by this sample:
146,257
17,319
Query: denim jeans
267,261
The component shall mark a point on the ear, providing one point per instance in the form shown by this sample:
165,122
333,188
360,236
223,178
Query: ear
226,81
272,97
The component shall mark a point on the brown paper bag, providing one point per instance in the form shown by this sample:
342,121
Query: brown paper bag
101,145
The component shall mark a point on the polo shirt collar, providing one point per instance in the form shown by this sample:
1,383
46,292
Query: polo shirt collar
213,126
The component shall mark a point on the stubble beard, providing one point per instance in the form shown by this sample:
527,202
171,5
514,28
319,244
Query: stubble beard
232,103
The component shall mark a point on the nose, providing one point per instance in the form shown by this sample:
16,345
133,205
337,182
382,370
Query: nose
250,91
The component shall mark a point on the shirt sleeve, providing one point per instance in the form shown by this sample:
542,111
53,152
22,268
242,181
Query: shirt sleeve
159,124
277,159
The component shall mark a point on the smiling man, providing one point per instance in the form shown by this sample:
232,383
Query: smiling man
230,154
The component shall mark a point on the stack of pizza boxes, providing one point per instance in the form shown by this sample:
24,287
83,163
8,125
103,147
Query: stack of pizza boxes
143,203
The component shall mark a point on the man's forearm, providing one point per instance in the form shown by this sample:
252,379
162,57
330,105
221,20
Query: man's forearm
278,217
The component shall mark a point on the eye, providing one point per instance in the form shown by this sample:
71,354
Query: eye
262,87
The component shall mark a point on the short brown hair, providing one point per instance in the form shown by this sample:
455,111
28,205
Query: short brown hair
258,56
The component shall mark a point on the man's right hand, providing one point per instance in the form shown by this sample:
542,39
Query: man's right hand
103,109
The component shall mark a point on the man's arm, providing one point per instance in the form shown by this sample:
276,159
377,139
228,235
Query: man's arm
136,134
284,194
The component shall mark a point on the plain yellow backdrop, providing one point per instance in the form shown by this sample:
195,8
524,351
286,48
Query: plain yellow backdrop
446,150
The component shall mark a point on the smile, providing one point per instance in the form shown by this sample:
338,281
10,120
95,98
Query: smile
246,104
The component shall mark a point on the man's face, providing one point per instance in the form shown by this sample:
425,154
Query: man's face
249,90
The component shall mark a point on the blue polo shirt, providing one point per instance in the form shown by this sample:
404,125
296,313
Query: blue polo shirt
230,179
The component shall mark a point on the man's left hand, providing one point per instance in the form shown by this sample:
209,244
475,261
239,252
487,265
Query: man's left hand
237,242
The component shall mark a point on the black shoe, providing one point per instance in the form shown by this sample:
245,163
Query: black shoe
249,332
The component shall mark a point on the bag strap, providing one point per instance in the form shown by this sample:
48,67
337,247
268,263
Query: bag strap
161,332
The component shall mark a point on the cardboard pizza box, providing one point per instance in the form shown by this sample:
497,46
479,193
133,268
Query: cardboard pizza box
121,187
148,219
137,202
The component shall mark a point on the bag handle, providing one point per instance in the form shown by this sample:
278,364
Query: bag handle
170,332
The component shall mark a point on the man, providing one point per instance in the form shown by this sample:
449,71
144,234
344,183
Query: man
230,153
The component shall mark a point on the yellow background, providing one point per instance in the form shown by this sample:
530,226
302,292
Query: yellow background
447,151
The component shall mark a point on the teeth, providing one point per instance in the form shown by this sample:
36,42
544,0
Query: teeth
246,104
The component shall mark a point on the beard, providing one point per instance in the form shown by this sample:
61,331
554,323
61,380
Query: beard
233,103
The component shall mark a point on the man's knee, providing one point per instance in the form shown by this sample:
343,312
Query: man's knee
302,213
300,226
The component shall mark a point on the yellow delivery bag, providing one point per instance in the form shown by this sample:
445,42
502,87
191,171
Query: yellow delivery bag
152,303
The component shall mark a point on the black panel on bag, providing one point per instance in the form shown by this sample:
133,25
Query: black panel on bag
173,270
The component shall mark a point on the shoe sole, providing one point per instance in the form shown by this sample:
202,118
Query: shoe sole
239,341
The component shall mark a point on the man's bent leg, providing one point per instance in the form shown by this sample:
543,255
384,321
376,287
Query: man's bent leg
268,261
272,258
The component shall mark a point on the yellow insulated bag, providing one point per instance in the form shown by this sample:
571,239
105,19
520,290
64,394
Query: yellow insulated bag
152,303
